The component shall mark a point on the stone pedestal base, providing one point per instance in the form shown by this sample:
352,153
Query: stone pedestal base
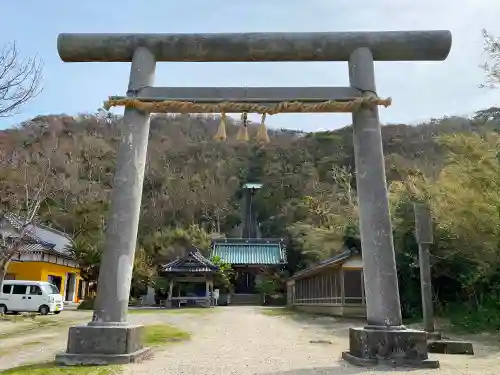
450,347
94,345
399,347
434,336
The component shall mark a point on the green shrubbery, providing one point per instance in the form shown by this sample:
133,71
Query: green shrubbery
86,304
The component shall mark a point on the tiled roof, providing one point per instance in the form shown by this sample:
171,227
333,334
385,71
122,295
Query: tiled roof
18,223
40,247
339,258
249,251
193,262
48,237
33,247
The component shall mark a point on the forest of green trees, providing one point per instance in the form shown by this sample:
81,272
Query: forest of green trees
192,193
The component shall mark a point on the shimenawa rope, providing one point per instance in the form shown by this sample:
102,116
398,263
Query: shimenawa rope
172,106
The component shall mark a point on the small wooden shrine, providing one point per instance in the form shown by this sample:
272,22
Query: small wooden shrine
191,280
334,286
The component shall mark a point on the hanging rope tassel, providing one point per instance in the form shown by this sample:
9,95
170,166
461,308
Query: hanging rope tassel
221,131
242,135
262,135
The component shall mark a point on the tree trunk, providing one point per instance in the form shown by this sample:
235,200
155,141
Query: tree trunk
217,215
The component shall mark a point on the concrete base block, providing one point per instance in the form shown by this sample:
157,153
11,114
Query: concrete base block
69,359
368,362
103,345
403,347
434,336
450,347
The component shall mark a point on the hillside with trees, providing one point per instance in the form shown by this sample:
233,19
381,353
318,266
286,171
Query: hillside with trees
192,191
61,168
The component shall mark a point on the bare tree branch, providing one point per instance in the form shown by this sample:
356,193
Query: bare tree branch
34,196
491,66
343,178
20,80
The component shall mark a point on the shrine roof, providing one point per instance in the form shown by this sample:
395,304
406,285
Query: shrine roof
332,261
192,262
250,251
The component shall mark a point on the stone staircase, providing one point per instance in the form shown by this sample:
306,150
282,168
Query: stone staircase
246,299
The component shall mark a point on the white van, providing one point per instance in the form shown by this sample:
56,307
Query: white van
30,296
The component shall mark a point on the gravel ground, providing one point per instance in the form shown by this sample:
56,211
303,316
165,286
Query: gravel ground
243,341
240,341
24,346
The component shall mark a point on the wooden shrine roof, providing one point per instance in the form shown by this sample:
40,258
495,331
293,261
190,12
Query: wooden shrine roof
243,251
337,259
192,262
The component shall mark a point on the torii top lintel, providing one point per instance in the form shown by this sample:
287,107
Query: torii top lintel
432,45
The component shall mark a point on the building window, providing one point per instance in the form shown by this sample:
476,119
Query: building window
35,290
56,280
6,289
19,289
353,286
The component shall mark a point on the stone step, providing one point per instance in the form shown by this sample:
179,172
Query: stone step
450,347
246,299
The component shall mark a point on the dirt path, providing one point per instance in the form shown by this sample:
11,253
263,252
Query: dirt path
243,341
239,341
24,342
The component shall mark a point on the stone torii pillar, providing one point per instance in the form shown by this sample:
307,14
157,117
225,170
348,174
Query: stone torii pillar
109,338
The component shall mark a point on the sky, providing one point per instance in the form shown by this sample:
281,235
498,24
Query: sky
420,90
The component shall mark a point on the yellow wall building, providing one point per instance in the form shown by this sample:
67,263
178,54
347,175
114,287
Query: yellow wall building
45,256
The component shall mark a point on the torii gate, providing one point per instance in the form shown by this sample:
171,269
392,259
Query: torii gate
109,338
